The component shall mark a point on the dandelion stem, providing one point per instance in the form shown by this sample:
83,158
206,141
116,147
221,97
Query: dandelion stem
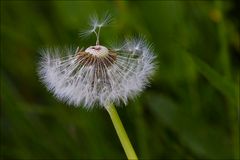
127,146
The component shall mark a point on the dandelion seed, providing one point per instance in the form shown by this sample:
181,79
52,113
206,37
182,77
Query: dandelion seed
97,75
96,24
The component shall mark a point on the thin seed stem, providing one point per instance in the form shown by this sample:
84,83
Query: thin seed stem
126,144
99,29
97,38
97,35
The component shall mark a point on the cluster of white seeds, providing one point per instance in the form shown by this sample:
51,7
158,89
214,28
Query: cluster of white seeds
97,75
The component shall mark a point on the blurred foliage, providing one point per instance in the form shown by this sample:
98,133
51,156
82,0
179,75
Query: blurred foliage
188,112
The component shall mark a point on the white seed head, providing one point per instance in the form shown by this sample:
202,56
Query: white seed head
98,75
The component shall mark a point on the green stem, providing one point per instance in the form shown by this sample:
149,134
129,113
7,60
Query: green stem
127,146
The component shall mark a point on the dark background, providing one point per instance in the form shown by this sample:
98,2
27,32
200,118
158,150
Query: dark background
190,111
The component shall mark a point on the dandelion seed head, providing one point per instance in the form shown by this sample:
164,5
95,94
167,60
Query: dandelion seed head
98,75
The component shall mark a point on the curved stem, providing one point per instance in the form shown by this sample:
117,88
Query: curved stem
126,144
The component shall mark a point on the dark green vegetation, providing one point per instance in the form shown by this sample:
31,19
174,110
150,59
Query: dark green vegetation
188,112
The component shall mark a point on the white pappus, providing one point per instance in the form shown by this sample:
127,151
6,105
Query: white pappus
98,75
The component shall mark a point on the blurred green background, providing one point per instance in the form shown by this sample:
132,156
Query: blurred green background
190,111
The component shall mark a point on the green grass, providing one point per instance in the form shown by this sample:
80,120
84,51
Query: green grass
190,111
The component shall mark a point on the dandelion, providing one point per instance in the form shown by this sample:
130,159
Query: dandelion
99,75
